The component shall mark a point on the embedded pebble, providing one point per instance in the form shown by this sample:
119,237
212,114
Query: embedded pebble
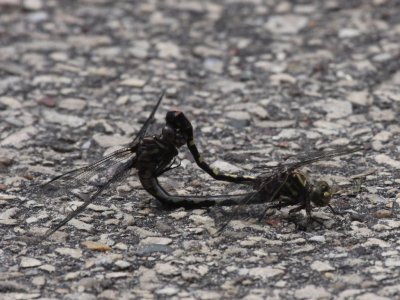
29,262
262,272
18,139
311,292
133,82
106,141
224,166
63,119
285,24
360,98
156,240
386,160
166,269
72,104
96,246
321,266
74,253
80,225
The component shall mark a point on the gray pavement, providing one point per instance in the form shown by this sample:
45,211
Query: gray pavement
261,81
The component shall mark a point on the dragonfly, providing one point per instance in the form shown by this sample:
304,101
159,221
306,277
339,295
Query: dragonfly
153,155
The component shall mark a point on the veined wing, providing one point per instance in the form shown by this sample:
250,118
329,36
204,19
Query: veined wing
99,175
277,176
94,175
142,132
102,169
311,158
120,172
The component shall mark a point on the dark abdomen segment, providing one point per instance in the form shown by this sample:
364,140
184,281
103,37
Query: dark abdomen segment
152,186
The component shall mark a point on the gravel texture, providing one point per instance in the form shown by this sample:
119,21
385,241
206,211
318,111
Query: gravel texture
260,81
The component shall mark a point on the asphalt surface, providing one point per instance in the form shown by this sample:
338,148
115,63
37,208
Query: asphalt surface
261,81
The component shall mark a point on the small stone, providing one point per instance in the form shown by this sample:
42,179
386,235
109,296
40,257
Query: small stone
116,275
143,233
134,82
7,197
277,79
39,280
156,240
8,213
95,246
346,33
122,264
18,139
362,98
382,114
168,291
178,215
287,134
88,41
318,239
225,167
311,292
386,160
372,296
10,102
383,213
106,141
63,119
48,268
201,220
214,65
74,253
336,109
32,4
166,269
238,115
168,50
8,222
286,24
264,272
72,104
153,248
376,242
392,262
393,224
28,262
383,136
321,266
121,246
47,101
80,225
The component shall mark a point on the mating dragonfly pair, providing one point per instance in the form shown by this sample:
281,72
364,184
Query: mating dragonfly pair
151,156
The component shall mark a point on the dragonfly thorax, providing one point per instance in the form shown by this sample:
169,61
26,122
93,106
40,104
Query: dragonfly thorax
173,136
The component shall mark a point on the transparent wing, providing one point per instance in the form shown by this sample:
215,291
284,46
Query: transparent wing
150,119
275,177
120,172
311,158
96,177
93,175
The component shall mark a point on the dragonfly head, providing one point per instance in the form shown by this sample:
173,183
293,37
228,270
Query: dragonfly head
321,194
178,129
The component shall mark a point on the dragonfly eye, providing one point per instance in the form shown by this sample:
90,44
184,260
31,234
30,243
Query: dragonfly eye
321,194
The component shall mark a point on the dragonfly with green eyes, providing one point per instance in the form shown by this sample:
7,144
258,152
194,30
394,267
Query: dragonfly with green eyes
150,156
